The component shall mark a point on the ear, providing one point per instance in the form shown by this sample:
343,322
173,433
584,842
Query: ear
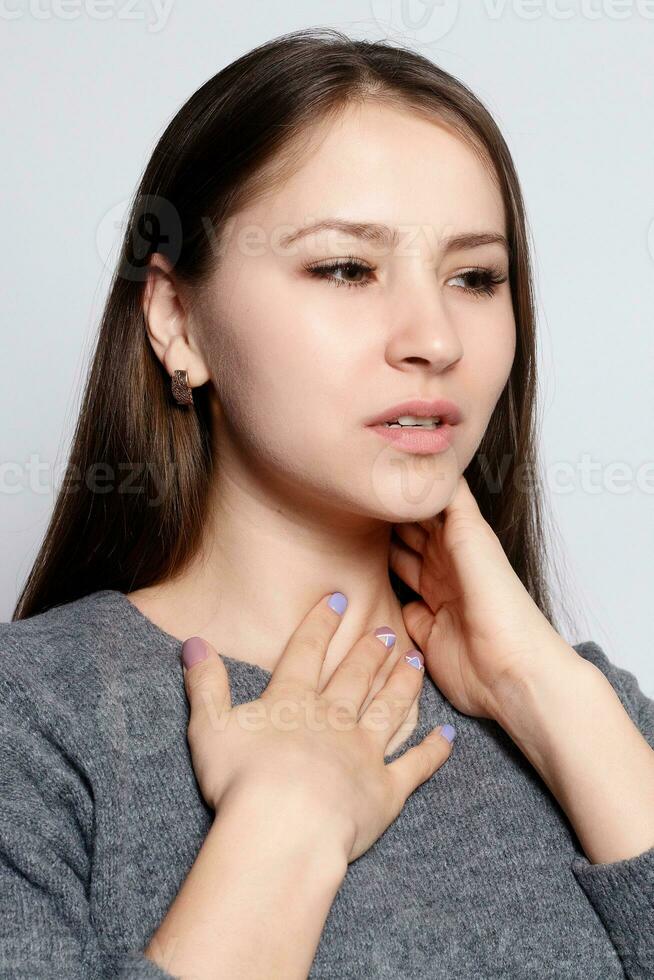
167,323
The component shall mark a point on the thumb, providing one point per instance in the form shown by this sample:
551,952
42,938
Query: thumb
206,682
419,621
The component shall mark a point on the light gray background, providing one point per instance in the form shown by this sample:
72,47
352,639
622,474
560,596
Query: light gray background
571,85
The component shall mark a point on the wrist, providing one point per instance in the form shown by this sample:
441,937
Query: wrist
284,828
533,705
519,690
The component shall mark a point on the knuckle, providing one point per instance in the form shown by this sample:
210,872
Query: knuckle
400,706
424,765
432,757
199,676
195,731
286,687
359,670
314,640
402,686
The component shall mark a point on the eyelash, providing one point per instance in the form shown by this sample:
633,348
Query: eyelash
491,276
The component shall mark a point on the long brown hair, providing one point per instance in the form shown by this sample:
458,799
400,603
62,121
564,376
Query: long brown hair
234,139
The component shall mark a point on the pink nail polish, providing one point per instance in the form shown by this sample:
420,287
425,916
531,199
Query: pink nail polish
193,650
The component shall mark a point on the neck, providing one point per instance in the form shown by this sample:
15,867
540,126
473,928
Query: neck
263,565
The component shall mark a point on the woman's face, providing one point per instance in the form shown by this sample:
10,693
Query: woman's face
302,357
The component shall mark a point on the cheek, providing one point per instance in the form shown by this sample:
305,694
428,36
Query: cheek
489,350
280,357
273,389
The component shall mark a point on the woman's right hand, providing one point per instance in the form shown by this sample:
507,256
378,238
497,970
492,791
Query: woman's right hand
309,752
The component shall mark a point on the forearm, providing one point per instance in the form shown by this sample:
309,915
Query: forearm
568,721
254,902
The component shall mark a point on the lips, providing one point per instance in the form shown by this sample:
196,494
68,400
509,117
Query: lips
447,411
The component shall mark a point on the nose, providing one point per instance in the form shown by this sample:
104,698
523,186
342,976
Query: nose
423,333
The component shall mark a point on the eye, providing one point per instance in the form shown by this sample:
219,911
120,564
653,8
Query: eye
349,265
485,280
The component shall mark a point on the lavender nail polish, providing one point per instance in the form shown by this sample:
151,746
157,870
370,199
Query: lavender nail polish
448,732
415,659
386,635
338,602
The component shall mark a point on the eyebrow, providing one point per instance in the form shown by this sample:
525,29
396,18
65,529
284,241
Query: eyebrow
389,237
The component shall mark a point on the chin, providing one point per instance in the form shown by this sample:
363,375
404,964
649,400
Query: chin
412,489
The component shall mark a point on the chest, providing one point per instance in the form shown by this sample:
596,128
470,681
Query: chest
472,879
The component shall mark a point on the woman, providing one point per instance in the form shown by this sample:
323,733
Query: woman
242,481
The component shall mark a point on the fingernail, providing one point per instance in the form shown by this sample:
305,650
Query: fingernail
386,635
448,732
338,602
415,659
193,650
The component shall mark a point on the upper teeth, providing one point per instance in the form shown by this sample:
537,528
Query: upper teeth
415,420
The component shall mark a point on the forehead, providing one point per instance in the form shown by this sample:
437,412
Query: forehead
379,163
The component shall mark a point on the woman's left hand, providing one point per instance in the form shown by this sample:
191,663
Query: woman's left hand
476,622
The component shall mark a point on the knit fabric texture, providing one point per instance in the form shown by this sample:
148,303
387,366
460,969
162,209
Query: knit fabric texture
481,874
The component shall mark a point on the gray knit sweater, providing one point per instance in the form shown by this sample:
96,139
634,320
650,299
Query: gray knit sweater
480,876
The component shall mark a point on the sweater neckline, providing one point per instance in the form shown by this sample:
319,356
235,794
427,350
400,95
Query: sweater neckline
253,677
144,624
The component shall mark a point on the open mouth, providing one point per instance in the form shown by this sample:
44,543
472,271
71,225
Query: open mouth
417,424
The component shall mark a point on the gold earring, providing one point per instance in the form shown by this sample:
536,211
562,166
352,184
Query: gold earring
182,391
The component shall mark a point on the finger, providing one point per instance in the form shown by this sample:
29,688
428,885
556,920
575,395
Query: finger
420,621
463,504
432,523
406,563
350,683
207,686
419,763
391,705
463,501
413,534
302,660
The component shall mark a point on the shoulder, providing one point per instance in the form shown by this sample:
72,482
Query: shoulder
53,709
63,636
52,662
90,672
